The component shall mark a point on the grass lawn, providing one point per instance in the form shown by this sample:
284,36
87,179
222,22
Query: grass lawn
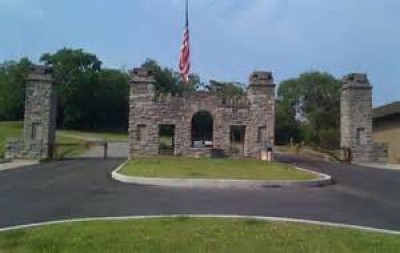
177,167
65,149
105,136
320,154
69,147
194,235
9,130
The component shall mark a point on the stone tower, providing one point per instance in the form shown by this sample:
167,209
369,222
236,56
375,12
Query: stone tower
356,111
39,118
356,119
143,133
261,95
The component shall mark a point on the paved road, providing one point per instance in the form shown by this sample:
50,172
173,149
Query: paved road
83,188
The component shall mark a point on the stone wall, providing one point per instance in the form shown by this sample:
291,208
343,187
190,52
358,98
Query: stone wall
13,148
356,120
255,111
39,118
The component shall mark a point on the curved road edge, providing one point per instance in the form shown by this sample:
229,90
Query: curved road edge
323,180
258,218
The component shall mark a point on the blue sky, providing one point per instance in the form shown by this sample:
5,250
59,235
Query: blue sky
230,38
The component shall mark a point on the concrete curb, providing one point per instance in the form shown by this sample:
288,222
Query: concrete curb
13,165
393,167
258,218
322,180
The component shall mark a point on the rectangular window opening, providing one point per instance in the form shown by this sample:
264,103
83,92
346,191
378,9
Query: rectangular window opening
167,139
141,132
237,137
36,131
262,134
360,136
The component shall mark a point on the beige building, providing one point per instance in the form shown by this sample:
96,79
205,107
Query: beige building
386,129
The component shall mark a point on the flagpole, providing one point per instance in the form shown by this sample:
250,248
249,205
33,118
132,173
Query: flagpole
187,12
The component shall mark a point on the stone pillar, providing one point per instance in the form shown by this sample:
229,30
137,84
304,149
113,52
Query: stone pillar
221,134
261,129
143,125
180,146
356,119
39,118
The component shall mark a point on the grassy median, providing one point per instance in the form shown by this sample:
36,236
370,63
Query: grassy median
194,235
180,167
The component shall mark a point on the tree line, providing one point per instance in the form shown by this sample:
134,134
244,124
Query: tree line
91,97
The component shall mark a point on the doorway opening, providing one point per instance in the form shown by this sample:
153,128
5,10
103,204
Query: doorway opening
237,135
202,130
167,140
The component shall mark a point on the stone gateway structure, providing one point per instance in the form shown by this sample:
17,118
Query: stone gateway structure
356,121
240,126
201,123
39,118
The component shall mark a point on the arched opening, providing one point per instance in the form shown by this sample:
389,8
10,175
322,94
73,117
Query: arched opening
202,130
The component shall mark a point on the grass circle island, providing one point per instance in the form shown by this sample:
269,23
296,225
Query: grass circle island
207,168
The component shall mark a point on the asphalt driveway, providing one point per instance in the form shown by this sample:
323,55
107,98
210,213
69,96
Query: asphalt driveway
84,188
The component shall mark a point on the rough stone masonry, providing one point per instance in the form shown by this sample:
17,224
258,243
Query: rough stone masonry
39,118
356,121
253,113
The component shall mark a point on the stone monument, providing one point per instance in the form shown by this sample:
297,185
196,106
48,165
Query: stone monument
39,118
356,121
241,126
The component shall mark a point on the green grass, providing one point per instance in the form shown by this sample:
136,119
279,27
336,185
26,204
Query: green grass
174,167
315,153
65,149
69,147
194,235
9,130
105,136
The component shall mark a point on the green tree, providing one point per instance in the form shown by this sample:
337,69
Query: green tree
89,97
112,99
76,75
311,104
12,88
226,89
287,127
169,81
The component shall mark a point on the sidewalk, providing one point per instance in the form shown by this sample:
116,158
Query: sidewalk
16,164
382,166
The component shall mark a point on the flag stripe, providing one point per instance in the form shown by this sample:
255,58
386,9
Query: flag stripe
184,63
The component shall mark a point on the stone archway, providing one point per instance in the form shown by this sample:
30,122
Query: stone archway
202,130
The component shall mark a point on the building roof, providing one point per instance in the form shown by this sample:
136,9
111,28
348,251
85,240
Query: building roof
387,110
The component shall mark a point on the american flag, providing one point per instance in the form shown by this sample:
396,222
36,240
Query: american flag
184,63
